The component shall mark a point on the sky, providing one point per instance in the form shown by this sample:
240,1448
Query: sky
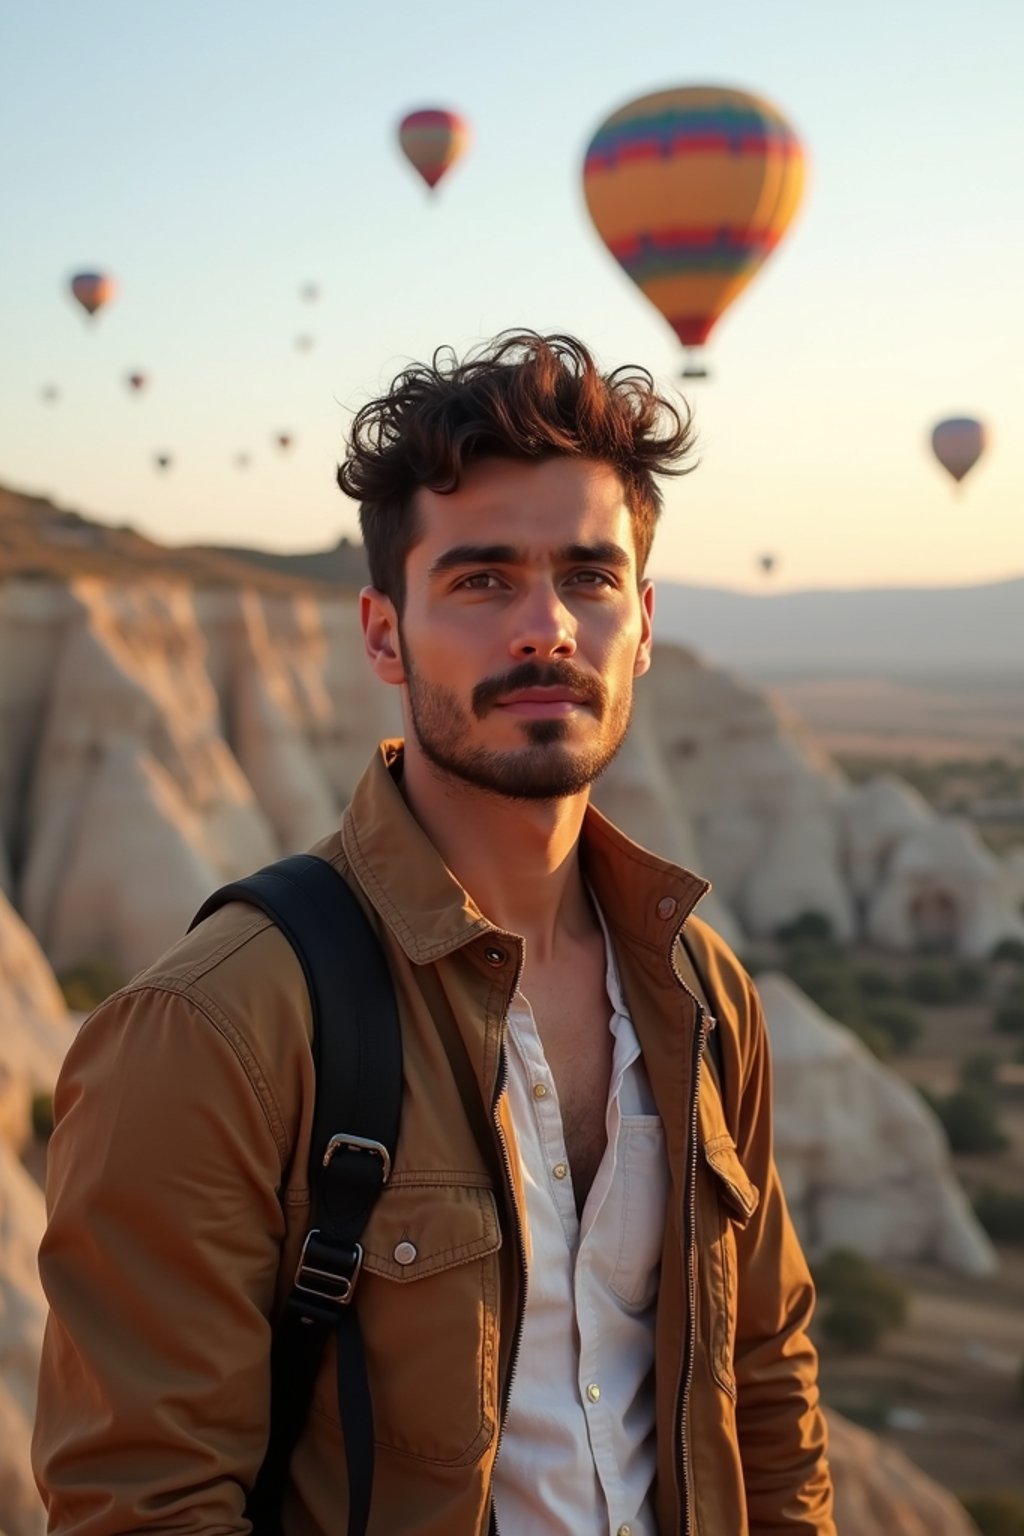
215,157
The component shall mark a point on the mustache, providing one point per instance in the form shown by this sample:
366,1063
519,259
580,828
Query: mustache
531,674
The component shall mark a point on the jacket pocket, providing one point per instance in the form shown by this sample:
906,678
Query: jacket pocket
427,1300
732,1199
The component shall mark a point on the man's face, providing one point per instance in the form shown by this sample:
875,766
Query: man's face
524,627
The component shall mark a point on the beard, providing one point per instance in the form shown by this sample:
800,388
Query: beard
548,766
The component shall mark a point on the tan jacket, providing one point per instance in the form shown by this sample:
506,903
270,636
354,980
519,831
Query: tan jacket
178,1204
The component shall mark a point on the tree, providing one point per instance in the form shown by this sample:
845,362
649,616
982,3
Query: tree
861,1303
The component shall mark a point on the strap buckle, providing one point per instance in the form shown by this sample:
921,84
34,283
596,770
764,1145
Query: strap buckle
360,1144
336,1284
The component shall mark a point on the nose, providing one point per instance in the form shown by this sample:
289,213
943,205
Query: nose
543,626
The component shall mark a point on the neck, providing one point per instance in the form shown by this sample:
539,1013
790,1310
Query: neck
517,859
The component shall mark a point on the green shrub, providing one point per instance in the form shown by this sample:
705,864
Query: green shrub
859,1302
871,1412
970,1119
42,1116
933,984
86,984
876,984
1009,1016
1001,1213
899,1023
996,1514
1010,950
827,975
812,926
827,979
979,1070
969,980
852,1325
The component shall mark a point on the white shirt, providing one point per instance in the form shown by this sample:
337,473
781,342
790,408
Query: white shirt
577,1454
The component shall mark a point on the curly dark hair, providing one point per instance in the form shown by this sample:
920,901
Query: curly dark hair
522,396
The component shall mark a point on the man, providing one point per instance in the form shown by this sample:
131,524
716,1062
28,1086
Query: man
583,1304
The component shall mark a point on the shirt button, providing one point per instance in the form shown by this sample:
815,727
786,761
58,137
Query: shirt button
594,1392
560,1170
667,907
624,1530
404,1253
540,1091
495,956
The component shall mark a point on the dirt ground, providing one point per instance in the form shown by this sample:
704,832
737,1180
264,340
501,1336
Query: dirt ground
928,720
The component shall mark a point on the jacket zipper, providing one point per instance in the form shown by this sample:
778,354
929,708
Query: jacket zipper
704,1023
499,1088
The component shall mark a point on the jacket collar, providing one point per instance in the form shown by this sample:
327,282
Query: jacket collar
644,899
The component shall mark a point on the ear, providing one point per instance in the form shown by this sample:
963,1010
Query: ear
642,663
380,635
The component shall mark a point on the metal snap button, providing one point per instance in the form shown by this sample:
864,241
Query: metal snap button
495,956
594,1392
404,1253
667,907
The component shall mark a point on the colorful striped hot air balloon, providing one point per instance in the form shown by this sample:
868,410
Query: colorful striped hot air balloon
432,139
691,190
959,443
93,290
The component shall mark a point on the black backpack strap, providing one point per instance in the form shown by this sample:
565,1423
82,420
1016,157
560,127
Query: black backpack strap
357,1059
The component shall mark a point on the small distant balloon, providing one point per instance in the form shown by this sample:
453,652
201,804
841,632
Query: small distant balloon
767,563
432,139
137,382
303,343
163,460
309,293
93,290
49,393
242,460
691,190
959,443
284,441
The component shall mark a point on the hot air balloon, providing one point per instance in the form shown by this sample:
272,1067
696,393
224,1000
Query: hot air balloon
691,190
309,292
767,563
303,343
432,140
284,441
93,290
242,460
137,382
49,393
959,443
162,460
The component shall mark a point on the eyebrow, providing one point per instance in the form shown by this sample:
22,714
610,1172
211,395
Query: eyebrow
604,553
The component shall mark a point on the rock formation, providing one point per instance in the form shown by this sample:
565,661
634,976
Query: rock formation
862,1158
210,729
879,1491
943,889
35,1031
